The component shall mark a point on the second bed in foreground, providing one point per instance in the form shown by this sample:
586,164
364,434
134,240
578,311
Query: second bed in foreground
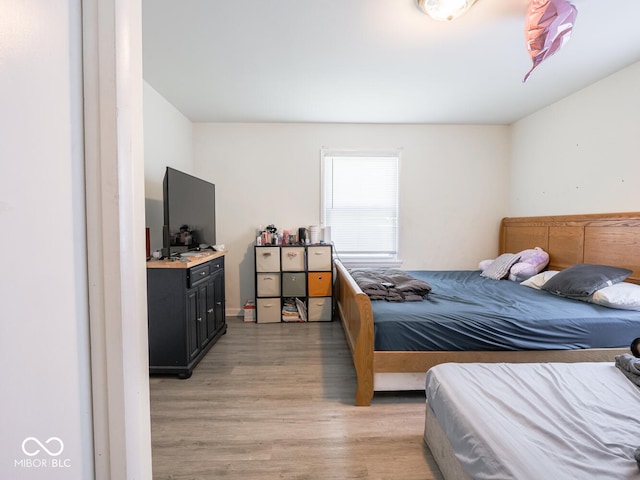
558,421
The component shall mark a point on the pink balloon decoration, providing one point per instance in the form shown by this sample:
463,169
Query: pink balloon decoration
548,28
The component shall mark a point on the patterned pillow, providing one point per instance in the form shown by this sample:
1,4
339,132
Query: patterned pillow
501,266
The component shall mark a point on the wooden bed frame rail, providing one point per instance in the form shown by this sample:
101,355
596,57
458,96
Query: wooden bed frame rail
354,310
608,239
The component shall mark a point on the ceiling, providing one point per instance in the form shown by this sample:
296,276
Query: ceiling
371,61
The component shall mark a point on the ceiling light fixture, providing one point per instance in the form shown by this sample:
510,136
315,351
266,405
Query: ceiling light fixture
445,9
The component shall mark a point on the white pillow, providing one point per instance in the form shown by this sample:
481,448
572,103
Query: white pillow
623,295
537,281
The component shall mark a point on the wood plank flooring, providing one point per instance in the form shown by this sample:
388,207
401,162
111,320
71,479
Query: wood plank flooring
275,401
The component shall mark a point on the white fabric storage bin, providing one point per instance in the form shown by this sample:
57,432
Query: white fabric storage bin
268,310
268,259
320,309
292,259
268,284
319,257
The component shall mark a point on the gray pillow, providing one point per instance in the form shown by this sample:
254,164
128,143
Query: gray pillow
501,266
584,279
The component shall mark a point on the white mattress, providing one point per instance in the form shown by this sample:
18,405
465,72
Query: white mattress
538,421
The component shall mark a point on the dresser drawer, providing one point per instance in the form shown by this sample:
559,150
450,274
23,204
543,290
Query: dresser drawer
292,259
267,259
268,310
294,284
197,275
320,284
268,284
320,309
319,258
216,265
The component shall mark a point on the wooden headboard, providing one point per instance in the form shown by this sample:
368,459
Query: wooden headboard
605,239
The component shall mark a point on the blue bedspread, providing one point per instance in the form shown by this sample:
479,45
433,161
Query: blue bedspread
465,311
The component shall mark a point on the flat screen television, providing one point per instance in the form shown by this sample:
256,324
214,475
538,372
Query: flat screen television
189,212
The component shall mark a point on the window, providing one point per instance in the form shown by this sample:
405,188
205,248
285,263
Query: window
360,204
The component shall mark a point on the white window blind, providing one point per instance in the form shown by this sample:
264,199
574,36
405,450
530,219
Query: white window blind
360,202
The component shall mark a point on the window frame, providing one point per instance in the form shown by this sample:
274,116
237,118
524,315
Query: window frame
364,259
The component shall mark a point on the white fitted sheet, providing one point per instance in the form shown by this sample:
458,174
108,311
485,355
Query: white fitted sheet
538,421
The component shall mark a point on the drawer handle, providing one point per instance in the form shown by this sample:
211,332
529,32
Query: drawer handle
210,310
292,254
266,254
318,253
200,319
203,274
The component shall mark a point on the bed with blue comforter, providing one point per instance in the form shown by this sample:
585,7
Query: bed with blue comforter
467,312
467,318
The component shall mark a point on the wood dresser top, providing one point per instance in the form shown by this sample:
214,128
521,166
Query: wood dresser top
188,262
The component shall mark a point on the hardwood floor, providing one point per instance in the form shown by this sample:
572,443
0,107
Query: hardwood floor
275,401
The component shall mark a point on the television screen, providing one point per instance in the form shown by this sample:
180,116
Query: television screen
189,212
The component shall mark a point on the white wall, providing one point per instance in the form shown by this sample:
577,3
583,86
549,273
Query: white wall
453,184
576,156
43,286
580,155
168,141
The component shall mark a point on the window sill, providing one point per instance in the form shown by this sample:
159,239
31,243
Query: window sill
370,263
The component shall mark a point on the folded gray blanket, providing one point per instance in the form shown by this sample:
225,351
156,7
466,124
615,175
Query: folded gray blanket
630,366
390,285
